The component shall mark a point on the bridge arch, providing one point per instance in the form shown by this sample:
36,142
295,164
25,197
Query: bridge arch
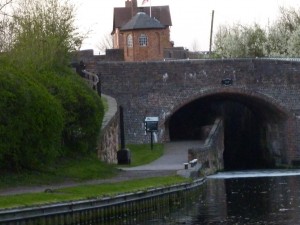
254,125
269,89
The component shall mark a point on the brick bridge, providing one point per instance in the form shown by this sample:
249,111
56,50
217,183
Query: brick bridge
257,99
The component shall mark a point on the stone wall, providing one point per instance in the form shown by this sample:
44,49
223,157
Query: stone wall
210,155
269,87
108,142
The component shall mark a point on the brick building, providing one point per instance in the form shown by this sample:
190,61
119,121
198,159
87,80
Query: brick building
143,38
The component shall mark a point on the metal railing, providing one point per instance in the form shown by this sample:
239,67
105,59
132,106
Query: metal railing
15,216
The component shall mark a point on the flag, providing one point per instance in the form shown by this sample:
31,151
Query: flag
144,2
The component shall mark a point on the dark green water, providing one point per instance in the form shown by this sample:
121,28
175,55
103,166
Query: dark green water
253,199
233,198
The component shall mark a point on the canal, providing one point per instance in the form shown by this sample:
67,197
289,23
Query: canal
246,197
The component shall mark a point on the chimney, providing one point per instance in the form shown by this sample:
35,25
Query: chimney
128,4
133,5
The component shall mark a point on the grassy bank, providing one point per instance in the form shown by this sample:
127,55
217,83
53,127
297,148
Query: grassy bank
87,192
80,170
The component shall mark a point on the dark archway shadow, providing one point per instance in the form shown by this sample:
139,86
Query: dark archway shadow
246,121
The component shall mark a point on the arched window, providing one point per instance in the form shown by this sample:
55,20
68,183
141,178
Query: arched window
143,40
129,41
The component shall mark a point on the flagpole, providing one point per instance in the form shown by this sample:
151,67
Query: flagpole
150,9
145,1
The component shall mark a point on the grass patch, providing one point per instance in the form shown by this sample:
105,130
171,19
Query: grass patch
142,154
88,191
79,169
82,169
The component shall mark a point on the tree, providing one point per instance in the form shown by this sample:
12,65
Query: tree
5,26
282,35
240,41
3,4
105,43
293,47
281,38
227,42
44,34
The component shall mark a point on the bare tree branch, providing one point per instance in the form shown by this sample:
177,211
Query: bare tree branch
6,2
105,43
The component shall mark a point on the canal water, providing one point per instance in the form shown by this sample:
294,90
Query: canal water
245,197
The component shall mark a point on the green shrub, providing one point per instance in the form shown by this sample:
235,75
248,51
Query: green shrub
31,123
44,116
83,110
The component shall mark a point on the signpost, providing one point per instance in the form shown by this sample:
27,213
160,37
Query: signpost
151,126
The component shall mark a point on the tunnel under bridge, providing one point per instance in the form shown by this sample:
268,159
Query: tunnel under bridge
252,128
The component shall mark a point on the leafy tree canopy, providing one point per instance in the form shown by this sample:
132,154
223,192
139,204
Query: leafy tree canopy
279,39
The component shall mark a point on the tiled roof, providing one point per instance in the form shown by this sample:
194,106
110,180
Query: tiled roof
124,14
142,21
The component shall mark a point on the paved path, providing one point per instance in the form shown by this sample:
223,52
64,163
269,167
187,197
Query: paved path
174,156
176,153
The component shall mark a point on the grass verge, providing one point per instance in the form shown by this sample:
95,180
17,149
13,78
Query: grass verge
142,154
88,192
78,169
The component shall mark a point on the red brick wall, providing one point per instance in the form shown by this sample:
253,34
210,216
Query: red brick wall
158,39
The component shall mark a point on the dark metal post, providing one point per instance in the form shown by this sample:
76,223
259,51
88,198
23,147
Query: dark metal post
124,155
151,140
99,85
122,135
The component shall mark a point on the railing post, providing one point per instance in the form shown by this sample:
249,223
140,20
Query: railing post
99,84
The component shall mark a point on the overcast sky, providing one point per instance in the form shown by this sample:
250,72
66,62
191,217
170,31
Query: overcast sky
191,18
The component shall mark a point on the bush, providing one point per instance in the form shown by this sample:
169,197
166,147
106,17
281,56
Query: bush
46,110
83,110
31,123
45,116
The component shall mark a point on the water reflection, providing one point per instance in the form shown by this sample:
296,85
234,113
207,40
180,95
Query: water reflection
269,200
237,198
233,199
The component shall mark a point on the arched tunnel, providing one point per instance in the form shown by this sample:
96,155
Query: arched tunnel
247,121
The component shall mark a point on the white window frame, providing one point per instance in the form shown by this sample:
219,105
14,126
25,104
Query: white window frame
129,41
143,40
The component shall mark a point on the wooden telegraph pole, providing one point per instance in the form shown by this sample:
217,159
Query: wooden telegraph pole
211,30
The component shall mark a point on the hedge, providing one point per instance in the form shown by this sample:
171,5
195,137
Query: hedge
44,117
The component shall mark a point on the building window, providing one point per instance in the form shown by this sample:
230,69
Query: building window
129,41
143,40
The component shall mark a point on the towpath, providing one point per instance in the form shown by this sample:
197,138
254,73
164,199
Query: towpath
175,154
